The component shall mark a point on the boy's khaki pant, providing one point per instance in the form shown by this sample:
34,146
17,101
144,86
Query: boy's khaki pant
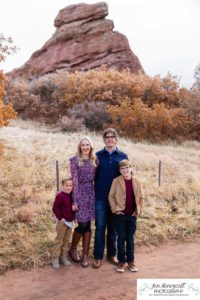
62,240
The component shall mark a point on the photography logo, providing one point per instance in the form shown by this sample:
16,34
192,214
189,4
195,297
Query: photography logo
168,289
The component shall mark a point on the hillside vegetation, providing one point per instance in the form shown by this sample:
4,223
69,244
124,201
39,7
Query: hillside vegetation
138,106
28,187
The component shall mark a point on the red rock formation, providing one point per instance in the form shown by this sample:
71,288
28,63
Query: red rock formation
83,40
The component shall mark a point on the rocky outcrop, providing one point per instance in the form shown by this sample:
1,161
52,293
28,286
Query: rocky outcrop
83,40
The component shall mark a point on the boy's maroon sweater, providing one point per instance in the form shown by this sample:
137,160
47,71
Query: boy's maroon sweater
62,207
130,205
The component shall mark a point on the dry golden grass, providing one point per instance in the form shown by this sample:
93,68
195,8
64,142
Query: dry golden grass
28,187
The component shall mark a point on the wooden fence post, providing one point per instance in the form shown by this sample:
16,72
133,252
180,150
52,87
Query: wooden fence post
57,176
159,173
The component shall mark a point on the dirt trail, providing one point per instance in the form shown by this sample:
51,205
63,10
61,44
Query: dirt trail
170,260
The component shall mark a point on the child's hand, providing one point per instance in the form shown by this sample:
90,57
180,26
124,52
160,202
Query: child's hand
74,207
135,214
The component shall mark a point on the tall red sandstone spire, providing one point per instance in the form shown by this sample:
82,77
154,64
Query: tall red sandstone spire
83,40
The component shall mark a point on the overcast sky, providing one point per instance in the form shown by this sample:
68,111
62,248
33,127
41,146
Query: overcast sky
164,34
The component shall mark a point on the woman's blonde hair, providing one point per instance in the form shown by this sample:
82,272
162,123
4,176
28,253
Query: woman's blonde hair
92,156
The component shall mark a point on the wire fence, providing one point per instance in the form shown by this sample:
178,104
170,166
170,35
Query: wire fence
58,174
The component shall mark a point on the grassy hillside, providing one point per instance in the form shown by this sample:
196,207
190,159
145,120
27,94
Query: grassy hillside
28,187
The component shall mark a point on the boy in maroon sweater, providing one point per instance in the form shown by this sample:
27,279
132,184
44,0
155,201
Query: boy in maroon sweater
63,210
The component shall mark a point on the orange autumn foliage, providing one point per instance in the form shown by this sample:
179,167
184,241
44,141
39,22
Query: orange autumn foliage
6,111
111,86
139,106
156,123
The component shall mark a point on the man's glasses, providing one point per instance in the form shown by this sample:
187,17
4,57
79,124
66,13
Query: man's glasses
109,137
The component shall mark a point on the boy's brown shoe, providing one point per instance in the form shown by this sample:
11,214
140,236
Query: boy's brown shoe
120,267
112,260
64,261
97,263
132,267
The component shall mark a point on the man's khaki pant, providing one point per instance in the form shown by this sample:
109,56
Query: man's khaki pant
62,240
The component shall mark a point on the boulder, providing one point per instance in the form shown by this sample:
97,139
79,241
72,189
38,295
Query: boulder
83,40
81,11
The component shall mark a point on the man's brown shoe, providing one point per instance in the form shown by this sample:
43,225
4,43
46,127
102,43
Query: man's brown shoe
112,260
97,263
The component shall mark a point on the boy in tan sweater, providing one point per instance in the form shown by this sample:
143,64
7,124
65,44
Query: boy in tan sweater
126,199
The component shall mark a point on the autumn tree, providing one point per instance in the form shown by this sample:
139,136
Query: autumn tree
160,90
6,111
6,47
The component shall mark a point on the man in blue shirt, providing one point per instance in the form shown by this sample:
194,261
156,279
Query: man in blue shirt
108,169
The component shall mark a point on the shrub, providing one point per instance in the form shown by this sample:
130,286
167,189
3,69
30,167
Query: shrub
156,123
160,90
50,87
111,86
99,86
26,104
71,124
94,114
24,214
40,99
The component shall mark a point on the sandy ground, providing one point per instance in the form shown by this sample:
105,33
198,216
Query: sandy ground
171,260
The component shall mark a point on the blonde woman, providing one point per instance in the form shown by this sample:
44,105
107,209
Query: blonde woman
83,168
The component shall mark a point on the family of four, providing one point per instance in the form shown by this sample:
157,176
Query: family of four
101,188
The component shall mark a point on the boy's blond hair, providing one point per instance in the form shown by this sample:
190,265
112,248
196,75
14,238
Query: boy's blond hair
125,163
69,178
